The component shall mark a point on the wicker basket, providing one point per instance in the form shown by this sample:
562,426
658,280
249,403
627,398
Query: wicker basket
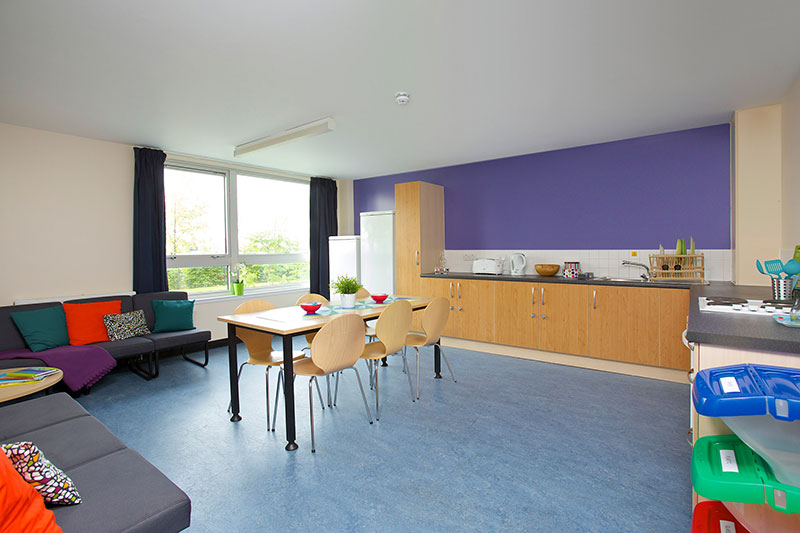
691,267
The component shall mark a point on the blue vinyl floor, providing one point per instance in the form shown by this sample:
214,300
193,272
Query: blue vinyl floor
515,445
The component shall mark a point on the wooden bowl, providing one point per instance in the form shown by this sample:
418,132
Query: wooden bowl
547,270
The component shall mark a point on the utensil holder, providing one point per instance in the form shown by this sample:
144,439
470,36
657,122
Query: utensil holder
782,288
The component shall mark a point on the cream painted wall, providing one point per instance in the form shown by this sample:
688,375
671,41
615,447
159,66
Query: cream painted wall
66,210
791,170
344,209
758,183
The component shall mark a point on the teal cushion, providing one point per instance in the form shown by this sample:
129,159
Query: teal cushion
173,315
42,329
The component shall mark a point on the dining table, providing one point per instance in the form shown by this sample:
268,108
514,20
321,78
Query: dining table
289,322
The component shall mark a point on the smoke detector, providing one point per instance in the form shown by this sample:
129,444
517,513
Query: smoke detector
402,98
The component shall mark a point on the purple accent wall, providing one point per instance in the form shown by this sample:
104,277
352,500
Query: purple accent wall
635,193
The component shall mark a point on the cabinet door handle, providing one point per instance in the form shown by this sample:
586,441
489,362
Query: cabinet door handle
451,290
533,295
686,342
542,298
533,315
594,299
690,437
459,308
544,316
458,289
417,256
451,307
690,375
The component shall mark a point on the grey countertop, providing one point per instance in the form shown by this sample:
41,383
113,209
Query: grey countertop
559,279
746,332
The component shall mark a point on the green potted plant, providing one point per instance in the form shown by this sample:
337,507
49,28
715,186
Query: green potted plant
347,287
237,283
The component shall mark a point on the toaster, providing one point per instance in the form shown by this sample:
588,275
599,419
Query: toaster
487,266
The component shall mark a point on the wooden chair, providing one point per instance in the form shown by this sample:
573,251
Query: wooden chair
391,329
362,294
337,346
307,298
433,322
259,348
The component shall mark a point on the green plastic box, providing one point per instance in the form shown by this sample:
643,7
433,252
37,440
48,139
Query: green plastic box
725,468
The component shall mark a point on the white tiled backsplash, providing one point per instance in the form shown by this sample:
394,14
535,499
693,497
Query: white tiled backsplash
601,262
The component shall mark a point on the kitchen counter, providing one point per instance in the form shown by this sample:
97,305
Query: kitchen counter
559,279
747,332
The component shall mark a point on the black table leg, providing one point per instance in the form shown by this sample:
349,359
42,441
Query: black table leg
437,361
288,391
232,368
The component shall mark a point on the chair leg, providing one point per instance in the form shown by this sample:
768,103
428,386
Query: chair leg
377,398
369,369
385,361
311,411
266,378
448,365
277,396
336,393
408,375
417,349
363,396
316,382
328,383
238,375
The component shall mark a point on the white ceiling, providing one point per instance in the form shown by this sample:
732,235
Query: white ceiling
487,79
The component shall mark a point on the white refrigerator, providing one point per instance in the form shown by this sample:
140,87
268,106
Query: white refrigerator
344,256
377,252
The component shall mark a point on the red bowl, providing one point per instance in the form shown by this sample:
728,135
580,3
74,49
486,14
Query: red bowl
311,307
379,298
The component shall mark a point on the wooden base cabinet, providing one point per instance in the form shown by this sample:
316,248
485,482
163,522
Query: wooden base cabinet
516,314
471,306
440,288
623,324
673,319
563,318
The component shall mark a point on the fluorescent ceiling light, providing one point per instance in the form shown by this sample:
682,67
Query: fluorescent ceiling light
317,127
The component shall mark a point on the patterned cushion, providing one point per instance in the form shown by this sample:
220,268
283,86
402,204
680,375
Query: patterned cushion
126,325
53,484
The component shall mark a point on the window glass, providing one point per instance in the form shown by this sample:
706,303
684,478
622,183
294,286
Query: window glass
195,209
198,279
275,274
272,216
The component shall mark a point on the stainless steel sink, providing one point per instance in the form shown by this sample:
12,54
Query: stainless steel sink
631,280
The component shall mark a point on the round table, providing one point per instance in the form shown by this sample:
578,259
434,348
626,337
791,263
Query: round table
13,392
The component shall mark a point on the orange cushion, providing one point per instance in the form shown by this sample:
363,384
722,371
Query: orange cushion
21,507
85,321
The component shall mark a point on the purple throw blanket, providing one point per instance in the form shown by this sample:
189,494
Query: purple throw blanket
83,366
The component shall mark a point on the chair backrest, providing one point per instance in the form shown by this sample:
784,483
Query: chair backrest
339,344
362,294
311,297
259,343
393,325
435,319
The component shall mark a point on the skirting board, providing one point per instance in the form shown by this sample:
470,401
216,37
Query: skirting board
630,369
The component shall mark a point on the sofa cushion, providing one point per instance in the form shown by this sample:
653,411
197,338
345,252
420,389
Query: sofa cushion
173,339
124,492
50,481
173,315
30,415
126,325
10,337
144,302
21,507
128,347
85,321
42,329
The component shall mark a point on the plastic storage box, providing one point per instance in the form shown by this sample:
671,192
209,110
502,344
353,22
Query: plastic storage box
714,517
761,404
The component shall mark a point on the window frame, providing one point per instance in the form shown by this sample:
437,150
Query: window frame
232,257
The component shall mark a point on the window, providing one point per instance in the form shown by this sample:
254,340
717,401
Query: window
221,220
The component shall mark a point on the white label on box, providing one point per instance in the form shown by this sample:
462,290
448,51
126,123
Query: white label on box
729,384
727,527
728,459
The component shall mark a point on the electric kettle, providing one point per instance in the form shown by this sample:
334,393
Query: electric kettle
517,262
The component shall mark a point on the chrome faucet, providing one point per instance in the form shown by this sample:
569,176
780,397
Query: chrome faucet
646,276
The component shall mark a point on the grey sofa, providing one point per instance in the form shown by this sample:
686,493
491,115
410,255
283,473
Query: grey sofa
147,347
121,491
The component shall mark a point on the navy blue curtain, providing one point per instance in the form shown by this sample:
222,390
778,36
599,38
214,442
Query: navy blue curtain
149,222
323,225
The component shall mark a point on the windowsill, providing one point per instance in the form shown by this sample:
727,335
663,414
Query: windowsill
249,293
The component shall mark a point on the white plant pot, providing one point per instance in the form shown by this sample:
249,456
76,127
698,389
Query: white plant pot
348,301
